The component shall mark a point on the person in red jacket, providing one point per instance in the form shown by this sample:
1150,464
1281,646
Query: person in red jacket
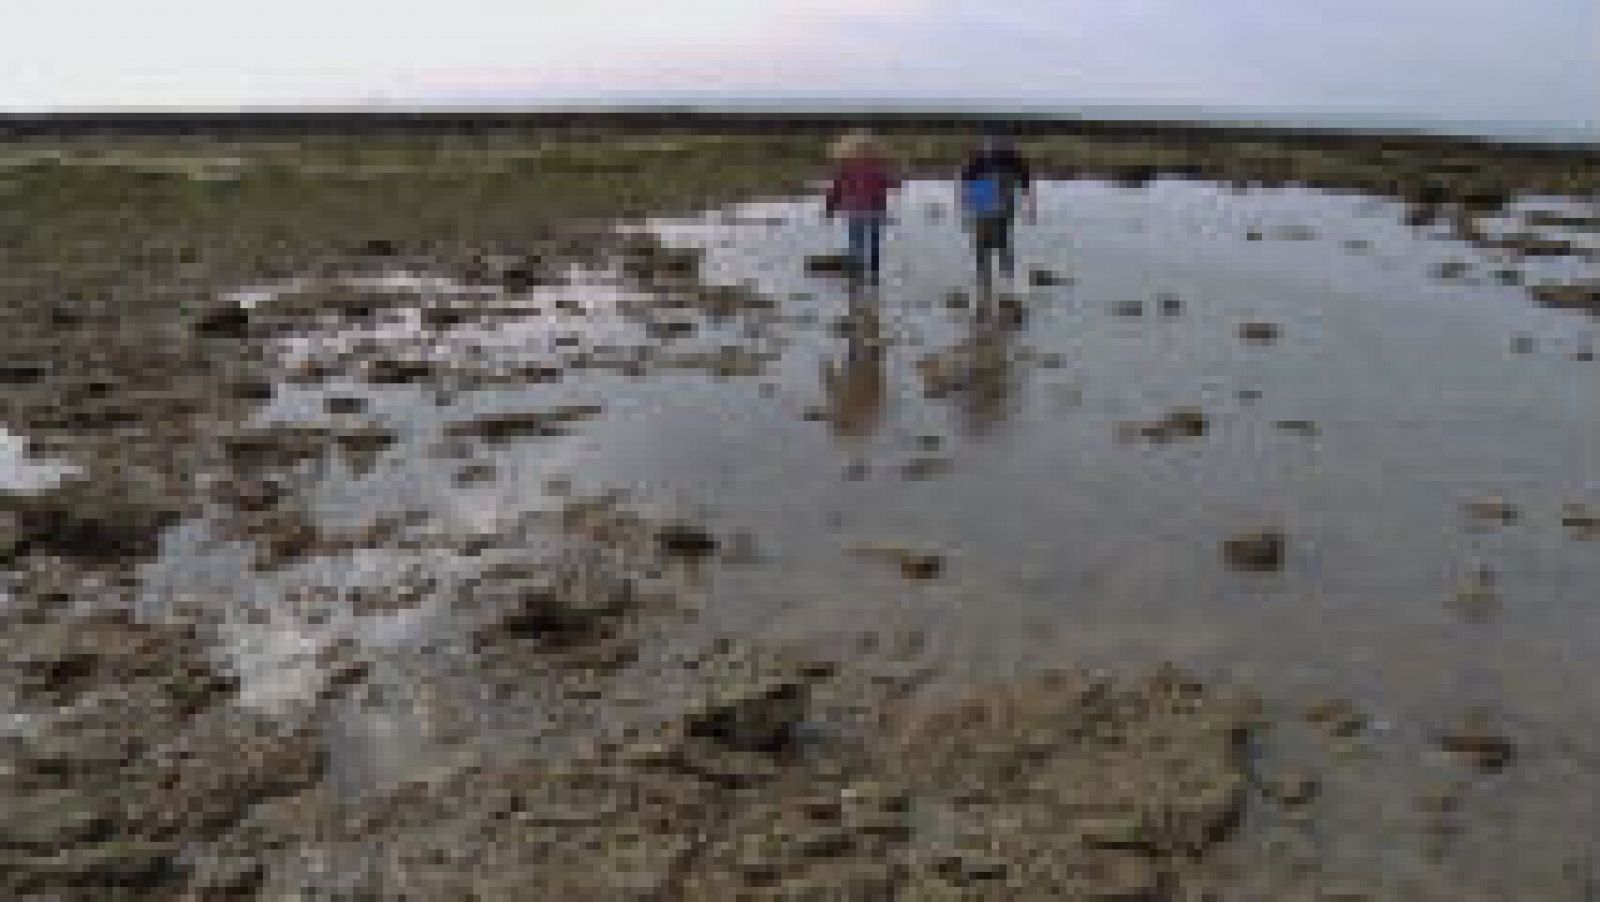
862,183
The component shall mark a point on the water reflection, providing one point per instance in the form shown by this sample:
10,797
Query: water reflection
977,374
854,380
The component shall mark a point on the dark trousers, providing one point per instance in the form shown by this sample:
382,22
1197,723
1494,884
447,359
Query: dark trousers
991,237
866,241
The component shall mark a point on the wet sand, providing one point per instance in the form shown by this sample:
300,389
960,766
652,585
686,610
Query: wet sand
644,562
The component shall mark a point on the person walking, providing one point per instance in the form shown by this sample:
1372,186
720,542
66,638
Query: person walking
862,182
993,181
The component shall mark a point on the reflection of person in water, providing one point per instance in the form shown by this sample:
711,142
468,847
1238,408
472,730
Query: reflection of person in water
978,373
855,383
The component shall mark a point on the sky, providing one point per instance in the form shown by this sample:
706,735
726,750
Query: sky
1519,60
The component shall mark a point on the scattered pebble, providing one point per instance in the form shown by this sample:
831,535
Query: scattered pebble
1255,552
1338,716
1492,509
685,540
1259,333
1477,742
921,468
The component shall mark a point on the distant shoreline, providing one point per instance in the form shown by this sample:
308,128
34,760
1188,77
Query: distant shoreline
367,121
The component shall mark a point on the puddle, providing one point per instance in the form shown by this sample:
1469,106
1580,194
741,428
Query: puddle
1001,433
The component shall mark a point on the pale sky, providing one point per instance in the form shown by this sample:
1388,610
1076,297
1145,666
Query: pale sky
1439,59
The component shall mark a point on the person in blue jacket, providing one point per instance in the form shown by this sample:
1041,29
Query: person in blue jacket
995,182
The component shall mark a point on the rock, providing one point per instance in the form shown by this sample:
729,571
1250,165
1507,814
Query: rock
224,321
541,423
751,705
1583,296
1255,552
48,820
1522,344
956,300
12,539
1581,522
1044,278
1338,716
920,566
344,404
1451,270
79,519
131,866
1583,355
1170,304
566,605
685,540
1128,309
252,495
1496,510
1476,742
1291,790
914,565
1179,423
921,468
476,474
1253,235
1259,333
1528,244
829,264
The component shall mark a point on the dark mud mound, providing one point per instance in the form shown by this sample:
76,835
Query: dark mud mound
132,758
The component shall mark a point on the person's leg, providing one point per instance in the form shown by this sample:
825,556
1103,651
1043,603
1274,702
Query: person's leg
874,245
980,253
857,228
1003,240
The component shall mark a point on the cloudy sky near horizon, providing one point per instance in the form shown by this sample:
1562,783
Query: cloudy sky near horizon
1533,60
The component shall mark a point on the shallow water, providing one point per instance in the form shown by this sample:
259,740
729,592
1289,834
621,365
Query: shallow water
999,439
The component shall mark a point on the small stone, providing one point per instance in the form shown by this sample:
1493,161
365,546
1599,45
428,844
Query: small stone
1475,741
921,565
1128,309
1259,333
1336,715
1492,509
685,540
1522,344
1291,790
1044,278
339,404
1582,522
828,264
921,468
1255,552
1170,304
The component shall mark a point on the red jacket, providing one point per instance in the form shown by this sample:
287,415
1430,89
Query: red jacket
861,185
